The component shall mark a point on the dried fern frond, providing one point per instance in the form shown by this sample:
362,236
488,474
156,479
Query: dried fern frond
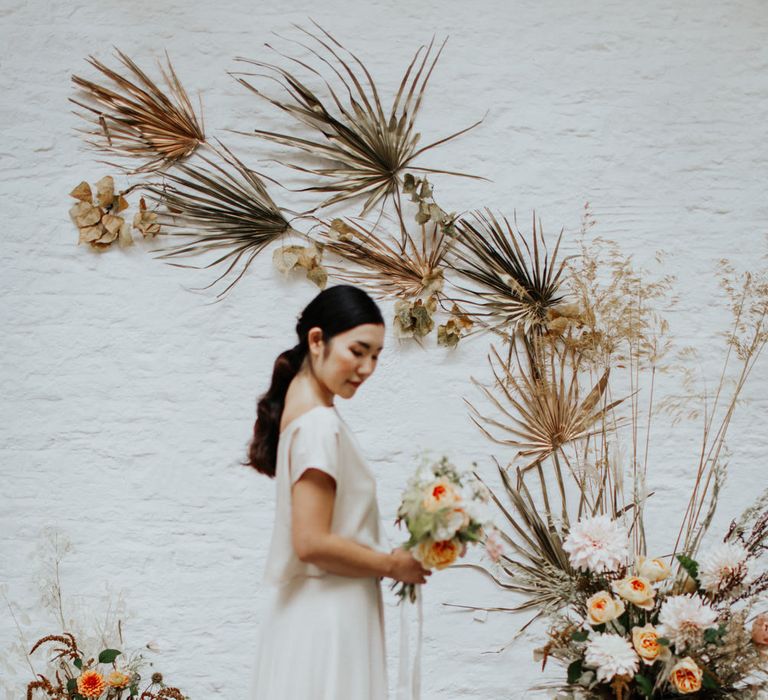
366,149
218,207
545,409
409,273
519,281
138,119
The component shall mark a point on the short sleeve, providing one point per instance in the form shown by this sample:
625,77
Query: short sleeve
315,445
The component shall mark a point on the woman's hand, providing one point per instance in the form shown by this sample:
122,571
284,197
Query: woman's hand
406,569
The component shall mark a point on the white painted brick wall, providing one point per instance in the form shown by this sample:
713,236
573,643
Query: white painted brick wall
128,399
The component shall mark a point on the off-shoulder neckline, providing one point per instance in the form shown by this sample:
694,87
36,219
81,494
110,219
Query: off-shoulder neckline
291,423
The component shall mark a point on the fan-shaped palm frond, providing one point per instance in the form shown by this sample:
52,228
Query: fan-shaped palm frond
224,206
367,149
387,270
519,281
139,120
545,409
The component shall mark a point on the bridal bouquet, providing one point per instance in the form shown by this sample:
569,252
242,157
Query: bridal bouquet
635,630
444,510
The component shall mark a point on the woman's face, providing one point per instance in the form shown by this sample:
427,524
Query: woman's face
349,359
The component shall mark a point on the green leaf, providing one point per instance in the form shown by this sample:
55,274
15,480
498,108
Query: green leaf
691,566
78,662
579,635
708,681
575,669
71,685
108,656
646,686
714,635
663,641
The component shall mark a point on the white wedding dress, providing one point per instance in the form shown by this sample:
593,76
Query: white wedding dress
322,637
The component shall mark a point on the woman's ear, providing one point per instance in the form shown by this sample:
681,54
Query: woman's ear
315,339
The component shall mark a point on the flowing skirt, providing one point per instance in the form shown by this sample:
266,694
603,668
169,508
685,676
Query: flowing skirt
322,639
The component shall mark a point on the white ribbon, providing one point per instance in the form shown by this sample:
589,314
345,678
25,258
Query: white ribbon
409,674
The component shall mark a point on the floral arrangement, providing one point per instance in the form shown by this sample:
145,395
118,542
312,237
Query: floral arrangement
444,510
579,406
635,630
80,678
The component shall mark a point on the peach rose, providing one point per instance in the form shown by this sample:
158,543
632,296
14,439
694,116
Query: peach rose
602,607
654,570
645,641
118,679
440,494
760,629
438,555
637,590
686,676
90,684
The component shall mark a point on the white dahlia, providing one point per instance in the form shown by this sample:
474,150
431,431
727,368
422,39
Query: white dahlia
683,619
611,655
597,544
723,566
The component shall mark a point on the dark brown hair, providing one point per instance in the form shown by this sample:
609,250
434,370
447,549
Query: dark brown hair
334,310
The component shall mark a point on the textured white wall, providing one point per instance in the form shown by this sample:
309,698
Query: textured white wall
128,399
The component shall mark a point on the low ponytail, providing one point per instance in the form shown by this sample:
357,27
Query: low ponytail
262,452
334,310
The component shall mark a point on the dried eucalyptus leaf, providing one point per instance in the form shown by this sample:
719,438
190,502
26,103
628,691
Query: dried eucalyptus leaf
285,259
403,321
112,225
120,204
341,231
436,214
319,276
85,214
82,192
89,234
423,215
105,191
448,335
125,238
145,220
422,319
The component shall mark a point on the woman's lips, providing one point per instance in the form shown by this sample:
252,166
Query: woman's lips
355,383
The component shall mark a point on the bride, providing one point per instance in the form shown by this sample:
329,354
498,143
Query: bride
323,635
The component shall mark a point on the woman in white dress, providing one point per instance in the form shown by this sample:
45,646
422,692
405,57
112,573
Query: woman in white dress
323,636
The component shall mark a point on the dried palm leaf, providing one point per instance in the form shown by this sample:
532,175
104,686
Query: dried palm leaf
535,565
225,206
139,120
388,270
519,281
546,410
367,150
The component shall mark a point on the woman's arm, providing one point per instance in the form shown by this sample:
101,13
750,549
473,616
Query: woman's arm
312,499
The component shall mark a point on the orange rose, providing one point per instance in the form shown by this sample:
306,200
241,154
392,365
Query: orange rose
686,676
440,494
637,590
90,684
118,679
438,555
601,608
645,641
